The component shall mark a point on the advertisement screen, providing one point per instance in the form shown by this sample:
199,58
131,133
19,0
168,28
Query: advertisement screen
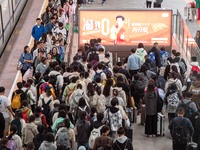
126,27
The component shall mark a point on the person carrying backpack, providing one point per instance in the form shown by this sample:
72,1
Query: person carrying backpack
164,55
18,96
39,138
104,139
172,99
122,142
179,128
62,135
46,102
40,118
99,73
154,55
189,106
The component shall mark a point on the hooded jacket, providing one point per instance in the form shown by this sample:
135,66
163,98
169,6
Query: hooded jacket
195,89
47,146
60,80
150,100
177,82
113,117
122,142
141,52
29,132
83,131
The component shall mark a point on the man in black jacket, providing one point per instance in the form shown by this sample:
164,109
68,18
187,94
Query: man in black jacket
156,54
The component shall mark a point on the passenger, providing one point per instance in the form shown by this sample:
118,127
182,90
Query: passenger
37,30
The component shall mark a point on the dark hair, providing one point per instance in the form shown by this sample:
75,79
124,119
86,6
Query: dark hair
136,77
193,59
120,79
140,45
107,87
38,19
98,80
19,85
174,68
18,113
150,87
60,147
46,78
30,146
2,89
133,50
100,117
90,89
115,92
30,81
79,86
87,75
101,49
41,128
162,48
120,131
198,77
25,48
98,90
62,113
49,137
83,114
99,40
120,17
81,102
13,130
173,75
67,123
63,107
114,102
174,52
181,111
38,110
119,64
31,118
188,94
104,129
24,103
115,69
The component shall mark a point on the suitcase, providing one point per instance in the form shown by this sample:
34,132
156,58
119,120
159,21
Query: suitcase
132,114
129,133
160,124
143,115
191,146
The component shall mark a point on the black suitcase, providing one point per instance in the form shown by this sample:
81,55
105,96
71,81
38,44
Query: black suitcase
129,133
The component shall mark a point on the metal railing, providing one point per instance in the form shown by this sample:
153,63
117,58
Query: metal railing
10,11
186,42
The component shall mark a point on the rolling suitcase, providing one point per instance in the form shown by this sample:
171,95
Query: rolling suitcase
143,115
129,133
160,124
132,114
192,146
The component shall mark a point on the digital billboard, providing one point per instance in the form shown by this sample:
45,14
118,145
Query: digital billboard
126,27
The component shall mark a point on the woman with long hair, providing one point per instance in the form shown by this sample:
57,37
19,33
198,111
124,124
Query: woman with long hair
150,100
107,91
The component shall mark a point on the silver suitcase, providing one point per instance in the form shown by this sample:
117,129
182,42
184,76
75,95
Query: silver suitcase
161,125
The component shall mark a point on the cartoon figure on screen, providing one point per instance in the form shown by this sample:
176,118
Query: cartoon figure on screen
118,31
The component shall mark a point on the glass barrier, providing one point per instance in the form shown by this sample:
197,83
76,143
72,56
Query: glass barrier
185,39
10,11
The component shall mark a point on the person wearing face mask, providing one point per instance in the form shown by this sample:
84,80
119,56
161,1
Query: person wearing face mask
42,66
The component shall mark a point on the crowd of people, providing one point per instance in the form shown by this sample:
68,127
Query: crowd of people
91,103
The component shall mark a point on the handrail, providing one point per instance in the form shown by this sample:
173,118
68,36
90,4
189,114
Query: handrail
18,72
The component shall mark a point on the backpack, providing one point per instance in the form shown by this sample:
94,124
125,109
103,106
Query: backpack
53,79
93,56
16,101
173,100
24,115
120,144
93,135
188,110
38,120
179,133
152,57
152,67
69,92
62,138
195,68
97,75
182,65
107,71
12,145
164,58
46,107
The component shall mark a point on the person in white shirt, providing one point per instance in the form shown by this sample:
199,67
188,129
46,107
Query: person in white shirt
5,106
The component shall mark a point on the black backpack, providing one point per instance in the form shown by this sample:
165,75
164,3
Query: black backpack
179,133
188,110
46,108
53,79
93,56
